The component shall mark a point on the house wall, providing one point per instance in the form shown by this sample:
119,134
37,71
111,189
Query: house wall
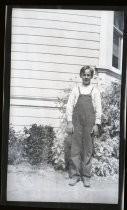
48,49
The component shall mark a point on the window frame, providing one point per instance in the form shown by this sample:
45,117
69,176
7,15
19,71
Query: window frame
106,43
120,34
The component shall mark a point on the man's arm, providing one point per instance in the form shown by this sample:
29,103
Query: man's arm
98,112
98,107
69,111
70,105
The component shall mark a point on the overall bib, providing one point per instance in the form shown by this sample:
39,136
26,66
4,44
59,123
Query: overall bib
83,120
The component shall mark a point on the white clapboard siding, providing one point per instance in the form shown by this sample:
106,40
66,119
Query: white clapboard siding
50,67
36,57
35,111
56,50
55,24
54,16
70,12
48,49
32,120
38,92
43,83
43,75
34,102
41,40
56,33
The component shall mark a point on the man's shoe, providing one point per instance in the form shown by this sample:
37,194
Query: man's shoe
86,181
74,180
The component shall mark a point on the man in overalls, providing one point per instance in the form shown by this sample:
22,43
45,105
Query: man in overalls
84,117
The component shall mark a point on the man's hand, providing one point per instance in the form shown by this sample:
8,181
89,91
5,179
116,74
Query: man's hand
70,128
95,130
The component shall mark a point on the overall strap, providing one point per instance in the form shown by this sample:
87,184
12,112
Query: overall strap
91,90
79,90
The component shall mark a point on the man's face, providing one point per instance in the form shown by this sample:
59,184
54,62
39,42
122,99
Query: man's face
86,77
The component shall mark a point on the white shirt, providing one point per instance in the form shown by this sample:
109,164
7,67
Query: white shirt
96,100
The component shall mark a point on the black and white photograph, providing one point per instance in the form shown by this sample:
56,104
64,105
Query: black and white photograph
64,112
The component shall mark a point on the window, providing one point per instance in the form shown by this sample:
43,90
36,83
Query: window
117,39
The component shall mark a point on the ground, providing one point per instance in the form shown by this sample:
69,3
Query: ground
44,184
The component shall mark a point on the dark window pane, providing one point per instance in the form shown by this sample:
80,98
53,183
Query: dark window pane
116,42
119,20
115,61
116,38
116,49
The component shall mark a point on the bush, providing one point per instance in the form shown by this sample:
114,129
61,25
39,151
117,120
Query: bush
15,147
111,110
106,148
105,157
38,144
60,145
33,147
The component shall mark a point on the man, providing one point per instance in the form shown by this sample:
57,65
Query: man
84,118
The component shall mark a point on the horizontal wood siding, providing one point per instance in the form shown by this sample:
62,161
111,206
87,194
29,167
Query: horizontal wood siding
48,49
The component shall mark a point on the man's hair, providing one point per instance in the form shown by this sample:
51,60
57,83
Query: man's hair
83,69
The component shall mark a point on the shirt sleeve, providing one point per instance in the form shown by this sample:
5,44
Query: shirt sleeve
70,104
98,106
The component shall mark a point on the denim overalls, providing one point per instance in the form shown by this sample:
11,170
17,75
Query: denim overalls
83,120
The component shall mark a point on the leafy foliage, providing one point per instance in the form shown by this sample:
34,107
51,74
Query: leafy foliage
105,157
34,147
106,152
111,110
38,144
15,147
60,149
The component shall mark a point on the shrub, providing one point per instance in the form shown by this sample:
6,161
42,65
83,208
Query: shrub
37,145
106,148
60,148
111,110
105,157
33,147
15,147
